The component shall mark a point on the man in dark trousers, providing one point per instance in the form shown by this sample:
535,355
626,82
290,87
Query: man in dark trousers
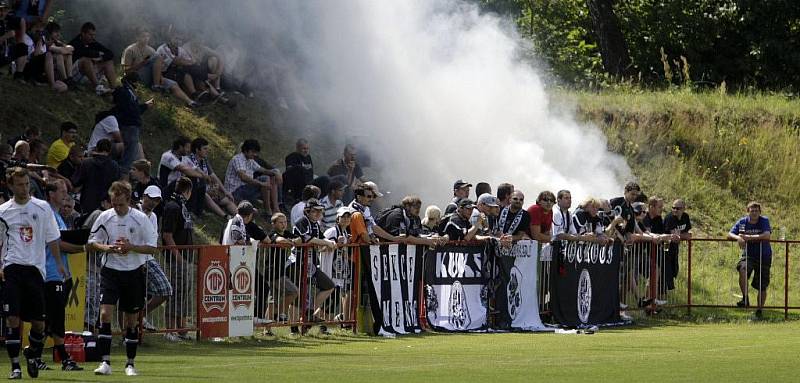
129,112
177,230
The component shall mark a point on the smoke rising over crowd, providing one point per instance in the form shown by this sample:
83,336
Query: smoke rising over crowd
434,88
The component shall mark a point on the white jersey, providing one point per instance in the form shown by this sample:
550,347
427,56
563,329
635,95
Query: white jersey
134,226
25,232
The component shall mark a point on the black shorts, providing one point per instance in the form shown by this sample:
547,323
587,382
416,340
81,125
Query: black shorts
126,287
759,270
322,280
23,293
35,69
55,297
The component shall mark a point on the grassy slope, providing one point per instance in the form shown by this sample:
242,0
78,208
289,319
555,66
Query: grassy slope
716,151
224,128
669,352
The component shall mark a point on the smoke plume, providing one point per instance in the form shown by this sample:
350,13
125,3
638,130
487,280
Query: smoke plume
434,89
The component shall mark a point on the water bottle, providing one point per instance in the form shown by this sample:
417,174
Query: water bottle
783,233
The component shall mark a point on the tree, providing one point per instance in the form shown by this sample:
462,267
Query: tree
613,48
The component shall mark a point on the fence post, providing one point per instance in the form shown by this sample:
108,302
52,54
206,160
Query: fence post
689,279
786,283
355,295
304,287
654,276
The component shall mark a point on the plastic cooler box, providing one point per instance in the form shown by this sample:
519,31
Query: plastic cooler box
82,347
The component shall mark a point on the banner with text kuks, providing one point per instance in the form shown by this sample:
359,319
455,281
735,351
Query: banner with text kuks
456,288
517,297
241,293
395,274
212,308
585,284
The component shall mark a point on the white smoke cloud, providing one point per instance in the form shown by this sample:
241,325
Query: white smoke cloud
435,87
439,89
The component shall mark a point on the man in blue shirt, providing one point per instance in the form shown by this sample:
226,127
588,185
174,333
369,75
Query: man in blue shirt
57,286
752,232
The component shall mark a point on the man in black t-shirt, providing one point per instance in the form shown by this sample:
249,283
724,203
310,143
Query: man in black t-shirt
177,230
459,228
514,221
299,171
678,225
403,221
622,208
95,175
653,223
308,231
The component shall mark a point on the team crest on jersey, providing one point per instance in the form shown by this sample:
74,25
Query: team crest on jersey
242,287
34,216
26,233
214,297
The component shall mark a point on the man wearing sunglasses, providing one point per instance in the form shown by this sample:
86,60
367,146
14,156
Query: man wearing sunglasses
362,225
677,224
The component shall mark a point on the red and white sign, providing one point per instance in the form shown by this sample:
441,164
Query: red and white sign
242,267
213,275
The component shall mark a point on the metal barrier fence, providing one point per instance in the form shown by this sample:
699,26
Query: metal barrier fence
290,290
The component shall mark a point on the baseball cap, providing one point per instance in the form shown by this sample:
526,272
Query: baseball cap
466,203
638,207
373,187
345,210
152,191
488,199
313,203
460,184
245,208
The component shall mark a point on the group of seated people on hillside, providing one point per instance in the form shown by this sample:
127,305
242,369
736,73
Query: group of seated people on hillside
190,71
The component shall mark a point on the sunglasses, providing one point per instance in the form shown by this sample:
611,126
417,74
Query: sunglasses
518,199
677,208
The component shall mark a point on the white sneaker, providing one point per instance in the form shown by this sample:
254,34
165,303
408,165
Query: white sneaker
172,337
104,369
130,370
660,302
622,306
625,317
262,321
101,89
148,326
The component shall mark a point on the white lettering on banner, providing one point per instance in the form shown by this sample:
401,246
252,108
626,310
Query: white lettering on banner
215,319
411,313
454,265
593,253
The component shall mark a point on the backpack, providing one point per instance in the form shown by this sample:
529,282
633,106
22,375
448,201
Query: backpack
380,219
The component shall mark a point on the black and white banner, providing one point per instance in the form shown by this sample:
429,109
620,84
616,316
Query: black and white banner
517,298
585,284
456,288
395,273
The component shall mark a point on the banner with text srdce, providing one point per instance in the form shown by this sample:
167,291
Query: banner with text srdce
395,273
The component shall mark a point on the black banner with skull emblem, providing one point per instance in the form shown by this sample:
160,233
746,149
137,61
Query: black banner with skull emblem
456,288
585,284
516,293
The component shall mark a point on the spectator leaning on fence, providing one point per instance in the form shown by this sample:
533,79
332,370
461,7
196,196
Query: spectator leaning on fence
430,223
308,231
487,205
23,254
677,224
235,232
753,233
541,213
514,221
309,192
126,237
403,224
504,191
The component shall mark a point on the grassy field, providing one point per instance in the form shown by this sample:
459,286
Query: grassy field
665,351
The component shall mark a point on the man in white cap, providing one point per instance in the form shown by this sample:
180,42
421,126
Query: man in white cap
489,208
158,287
